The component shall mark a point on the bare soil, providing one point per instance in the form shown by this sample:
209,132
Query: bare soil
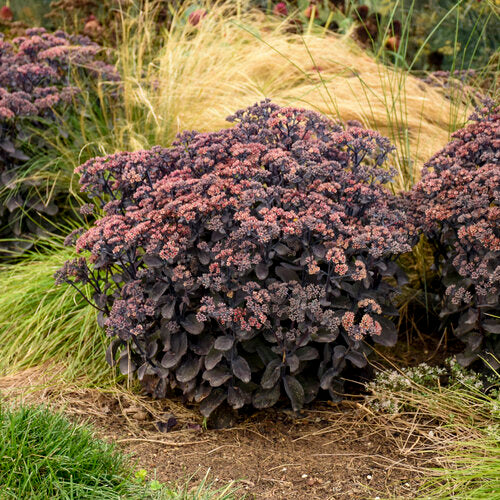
340,451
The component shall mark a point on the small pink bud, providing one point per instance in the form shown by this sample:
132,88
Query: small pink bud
392,43
6,14
196,16
280,9
309,11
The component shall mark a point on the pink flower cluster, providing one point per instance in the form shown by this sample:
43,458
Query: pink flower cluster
39,63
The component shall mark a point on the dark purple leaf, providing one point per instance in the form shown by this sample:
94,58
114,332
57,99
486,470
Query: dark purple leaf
160,389
217,376
111,351
166,425
286,274
202,344
356,358
319,251
307,353
224,343
466,358
294,391
192,325
178,347
235,397
241,369
265,353
141,371
204,258
159,289
101,319
491,325
49,209
293,362
188,369
126,365
262,271
311,388
7,146
202,392
339,352
282,249
153,260
211,402
336,391
213,358
19,155
151,349
13,203
389,335
473,341
167,311
327,378
217,236
271,374
117,278
265,398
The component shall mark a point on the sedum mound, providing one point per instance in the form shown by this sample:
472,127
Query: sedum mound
245,264
457,207
38,74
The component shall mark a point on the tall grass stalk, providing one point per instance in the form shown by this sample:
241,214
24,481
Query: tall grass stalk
471,471
469,460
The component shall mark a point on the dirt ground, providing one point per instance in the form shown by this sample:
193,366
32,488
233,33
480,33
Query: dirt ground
322,456
328,452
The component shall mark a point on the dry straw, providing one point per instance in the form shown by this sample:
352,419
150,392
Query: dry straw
200,74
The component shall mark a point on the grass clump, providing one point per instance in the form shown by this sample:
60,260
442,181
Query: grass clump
44,455
457,412
43,324
472,471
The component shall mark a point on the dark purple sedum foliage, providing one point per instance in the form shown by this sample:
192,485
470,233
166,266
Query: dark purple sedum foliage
241,263
35,86
457,205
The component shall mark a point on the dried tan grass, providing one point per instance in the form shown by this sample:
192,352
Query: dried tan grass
200,75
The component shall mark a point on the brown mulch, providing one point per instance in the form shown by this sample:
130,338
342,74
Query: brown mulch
340,451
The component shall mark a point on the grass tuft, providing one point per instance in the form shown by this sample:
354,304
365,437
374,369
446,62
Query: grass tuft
183,77
44,455
472,471
458,423
44,324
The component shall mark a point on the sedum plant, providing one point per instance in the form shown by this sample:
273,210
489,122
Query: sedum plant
456,204
37,74
246,264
